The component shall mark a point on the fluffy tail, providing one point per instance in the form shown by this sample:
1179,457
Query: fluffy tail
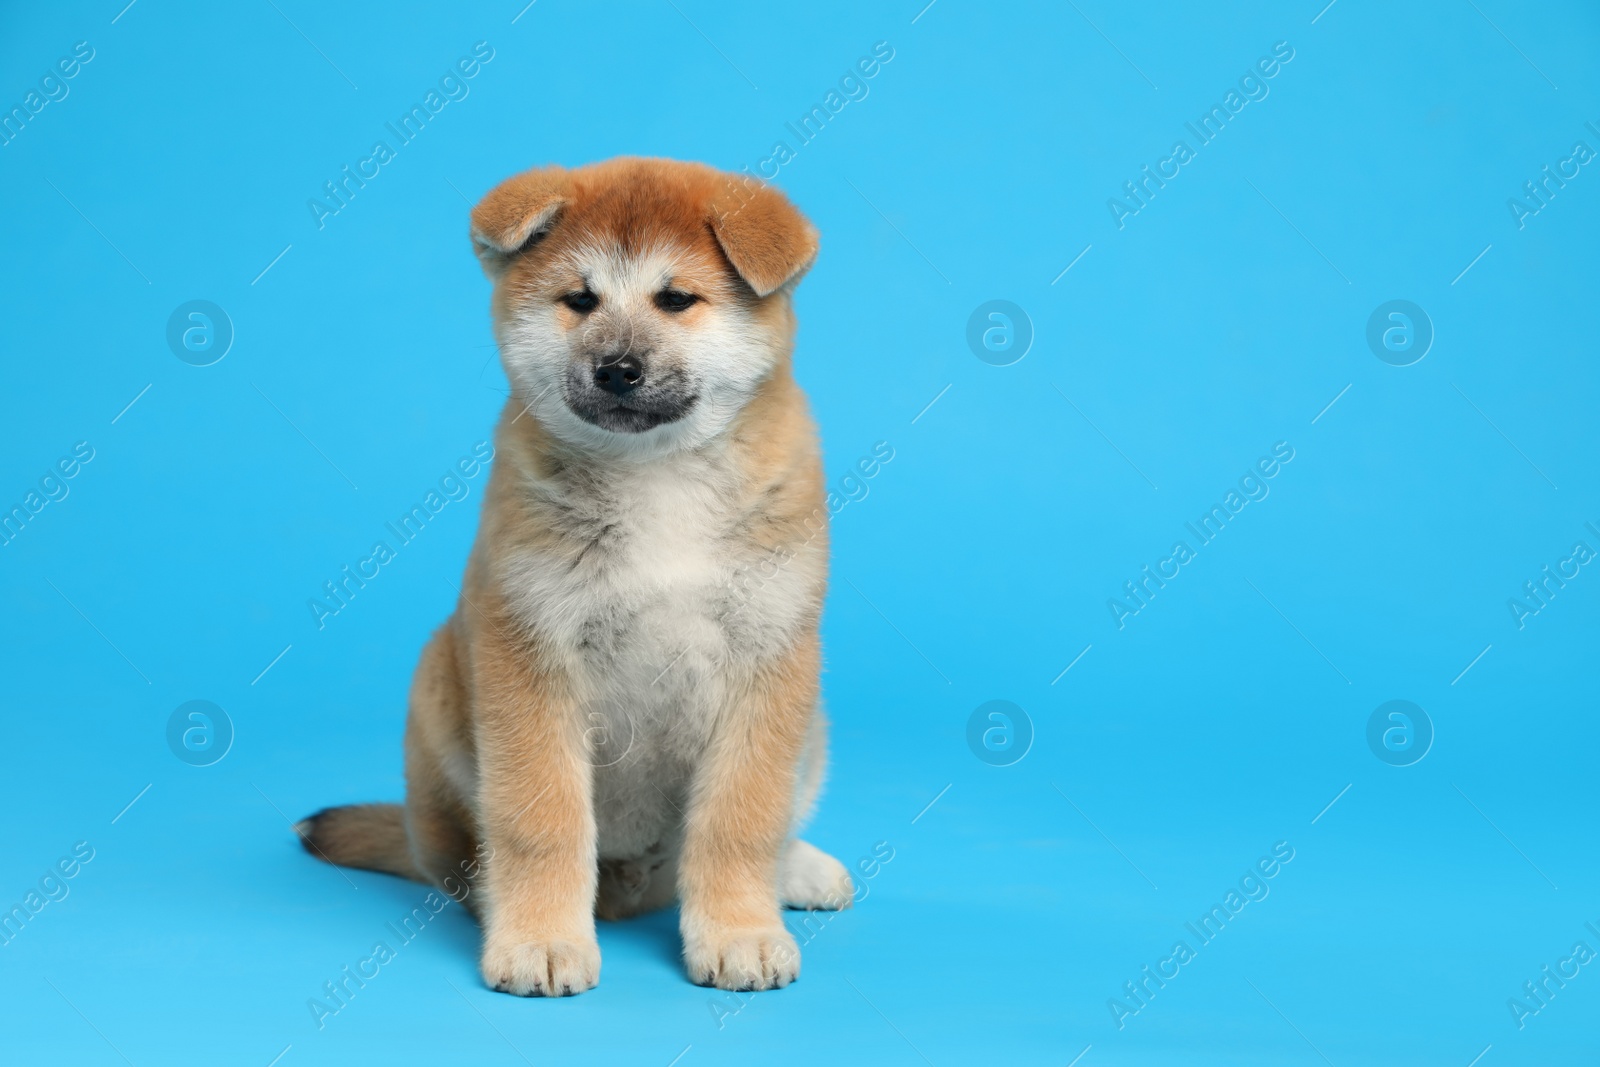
369,836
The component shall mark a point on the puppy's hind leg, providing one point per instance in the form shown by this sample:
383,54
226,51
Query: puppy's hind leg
811,880
808,878
440,828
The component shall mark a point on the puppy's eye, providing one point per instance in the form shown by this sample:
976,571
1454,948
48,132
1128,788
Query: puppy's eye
581,302
675,300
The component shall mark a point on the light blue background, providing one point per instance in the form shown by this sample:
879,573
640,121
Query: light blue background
1223,718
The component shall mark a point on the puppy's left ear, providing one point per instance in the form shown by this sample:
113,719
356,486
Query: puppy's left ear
766,239
517,212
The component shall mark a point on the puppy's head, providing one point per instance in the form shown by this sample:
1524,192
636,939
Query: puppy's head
640,303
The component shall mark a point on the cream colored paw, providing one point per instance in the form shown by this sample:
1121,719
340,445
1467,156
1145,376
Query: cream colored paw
811,880
743,960
557,968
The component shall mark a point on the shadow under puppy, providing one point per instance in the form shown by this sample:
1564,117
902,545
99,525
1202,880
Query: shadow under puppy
623,708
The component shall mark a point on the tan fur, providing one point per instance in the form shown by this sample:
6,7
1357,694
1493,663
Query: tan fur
369,836
500,757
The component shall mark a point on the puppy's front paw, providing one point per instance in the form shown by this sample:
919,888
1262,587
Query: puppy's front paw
743,960
557,968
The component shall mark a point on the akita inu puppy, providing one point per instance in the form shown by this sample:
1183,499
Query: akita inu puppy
623,708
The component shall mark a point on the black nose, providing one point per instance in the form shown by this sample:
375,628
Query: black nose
619,375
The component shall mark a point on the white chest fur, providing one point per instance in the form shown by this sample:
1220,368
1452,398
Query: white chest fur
656,595
658,600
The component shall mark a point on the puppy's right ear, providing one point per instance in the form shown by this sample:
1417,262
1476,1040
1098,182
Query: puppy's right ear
515,213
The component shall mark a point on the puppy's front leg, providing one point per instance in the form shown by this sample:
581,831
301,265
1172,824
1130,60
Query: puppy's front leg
738,820
538,818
